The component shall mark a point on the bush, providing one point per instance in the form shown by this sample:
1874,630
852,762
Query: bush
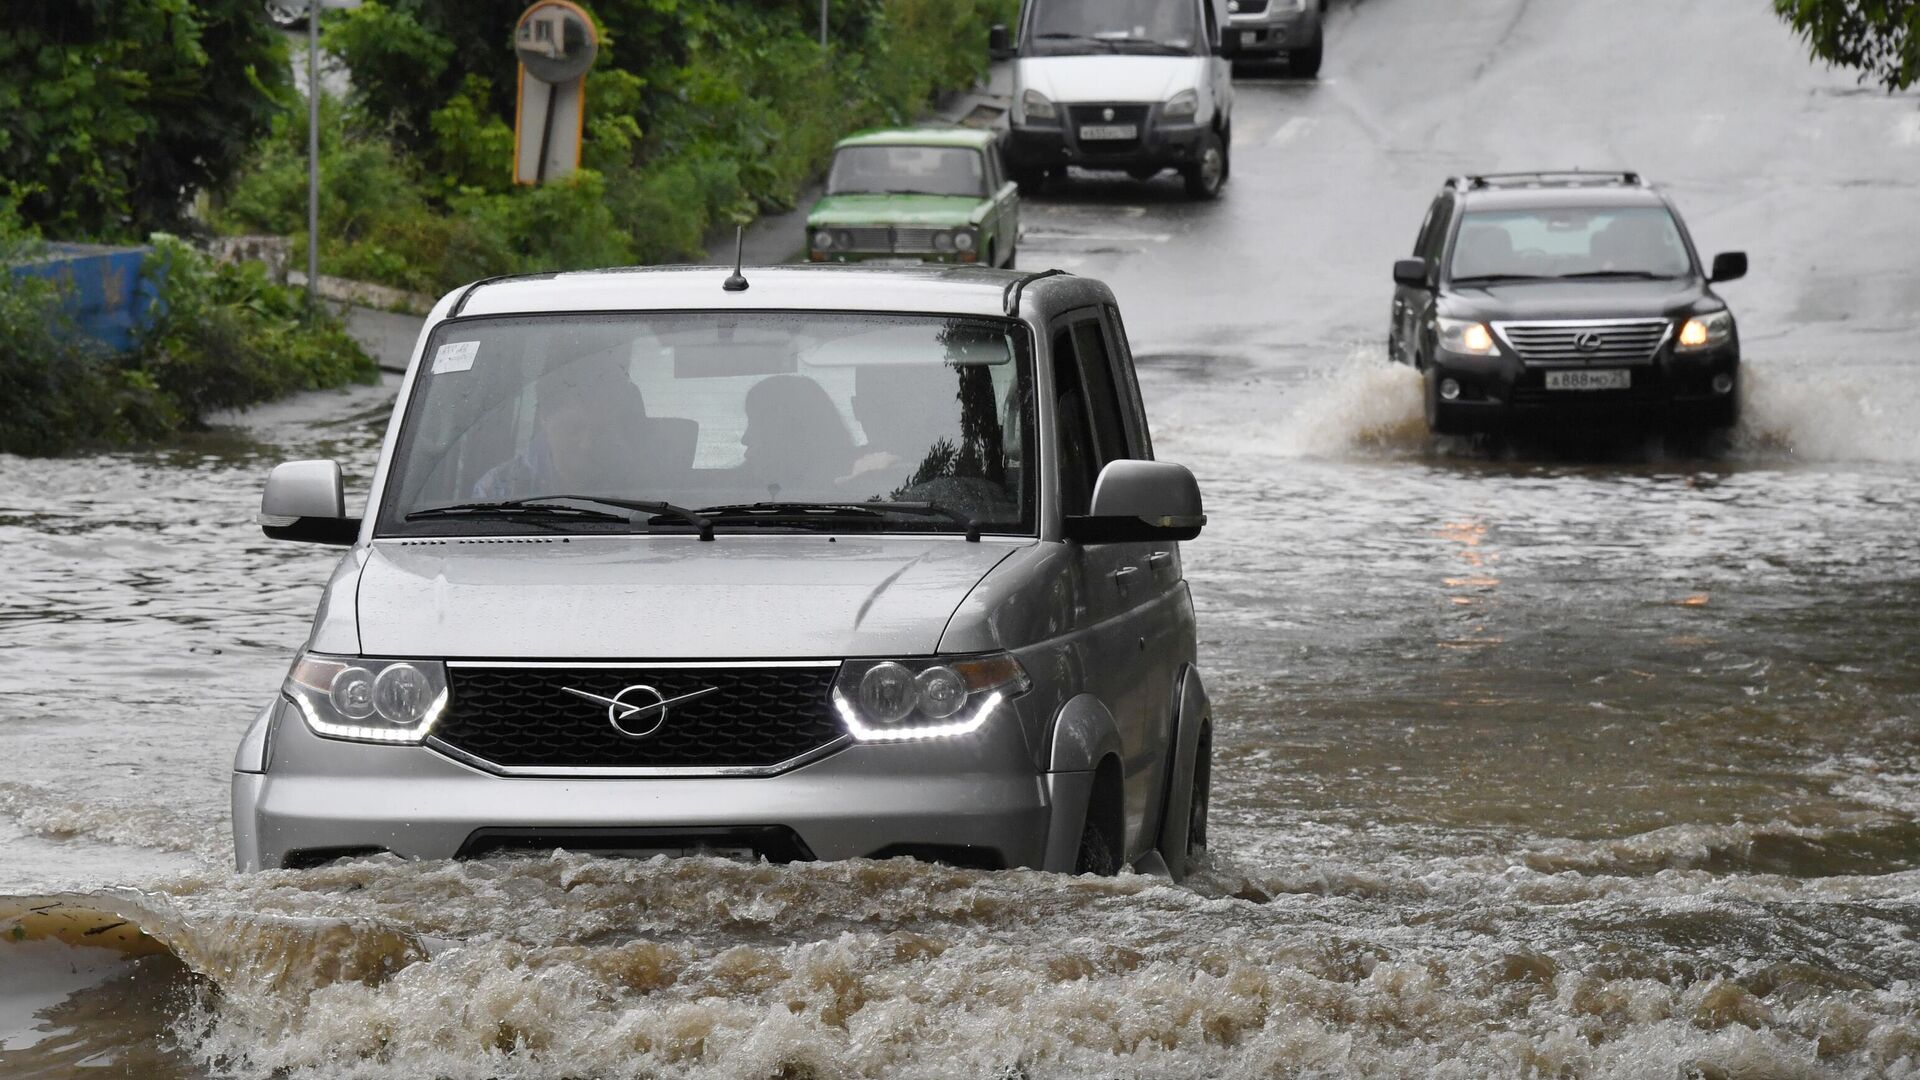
224,337
697,114
114,112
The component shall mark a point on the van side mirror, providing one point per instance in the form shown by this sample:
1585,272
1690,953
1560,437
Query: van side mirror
1140,501
1410,272
1729,266
306,501
999,42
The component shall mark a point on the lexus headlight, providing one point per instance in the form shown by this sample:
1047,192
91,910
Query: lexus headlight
894,700
1706,332
1464,336
1035,106
1181,105
384,701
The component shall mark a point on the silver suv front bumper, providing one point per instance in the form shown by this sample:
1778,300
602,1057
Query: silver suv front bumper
977,799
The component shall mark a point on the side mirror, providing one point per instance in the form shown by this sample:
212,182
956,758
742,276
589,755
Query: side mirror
306,501
1410,272
999,42
1729,266
1140,501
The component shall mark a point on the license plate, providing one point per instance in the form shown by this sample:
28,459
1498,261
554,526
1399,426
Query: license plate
893,260
1249,38
1110,131
1612,379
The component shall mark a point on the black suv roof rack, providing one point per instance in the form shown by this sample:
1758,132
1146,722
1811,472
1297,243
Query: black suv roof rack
1546,178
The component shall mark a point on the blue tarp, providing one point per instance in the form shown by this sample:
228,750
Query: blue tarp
104,292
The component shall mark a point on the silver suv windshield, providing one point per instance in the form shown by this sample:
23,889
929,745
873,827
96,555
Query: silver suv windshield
1096,26
621,423
1570,242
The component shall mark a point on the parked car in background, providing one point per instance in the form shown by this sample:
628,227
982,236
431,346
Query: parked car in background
917,195
814,563
1136,86
1289,30
1563,297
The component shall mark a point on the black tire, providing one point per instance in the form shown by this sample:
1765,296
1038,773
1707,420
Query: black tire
1205,176
1030,180
1201,800
1305,63
1226,153
1096,851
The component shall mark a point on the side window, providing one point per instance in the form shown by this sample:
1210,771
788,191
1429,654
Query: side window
1073,425
993,171
1103,398
1436,239
1212,24
1139,441
1426,226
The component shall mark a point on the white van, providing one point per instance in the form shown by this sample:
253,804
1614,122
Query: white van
1137,86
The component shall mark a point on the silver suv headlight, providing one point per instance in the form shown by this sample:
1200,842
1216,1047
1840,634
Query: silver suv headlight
894,700
1182,105
382,701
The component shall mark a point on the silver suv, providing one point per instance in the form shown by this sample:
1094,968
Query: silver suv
816,564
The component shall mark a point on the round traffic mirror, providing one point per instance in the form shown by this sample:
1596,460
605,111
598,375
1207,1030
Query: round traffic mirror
555,41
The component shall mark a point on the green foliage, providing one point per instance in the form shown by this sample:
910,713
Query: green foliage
113,112
1881,38
697,113
227,337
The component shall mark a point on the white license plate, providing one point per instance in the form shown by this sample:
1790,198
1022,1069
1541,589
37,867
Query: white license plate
1609,379
1110,131
1249,38
893,260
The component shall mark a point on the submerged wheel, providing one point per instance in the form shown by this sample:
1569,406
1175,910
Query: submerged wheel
1202,797
1096,852
1209,171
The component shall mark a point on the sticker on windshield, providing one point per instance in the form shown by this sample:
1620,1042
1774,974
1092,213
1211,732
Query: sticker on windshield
454,356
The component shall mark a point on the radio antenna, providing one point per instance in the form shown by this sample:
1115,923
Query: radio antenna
738,282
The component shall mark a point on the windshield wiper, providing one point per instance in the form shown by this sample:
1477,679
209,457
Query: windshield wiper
556,506
1168,47
1106,43
1640,275
787,513
1482,278
527,508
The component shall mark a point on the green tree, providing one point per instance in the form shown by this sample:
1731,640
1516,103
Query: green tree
113,113
1881,38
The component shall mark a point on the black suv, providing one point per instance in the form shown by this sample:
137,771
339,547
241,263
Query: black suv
1564,297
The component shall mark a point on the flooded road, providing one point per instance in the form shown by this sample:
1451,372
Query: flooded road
1588,760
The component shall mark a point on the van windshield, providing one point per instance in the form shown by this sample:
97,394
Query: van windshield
1068,27
792,421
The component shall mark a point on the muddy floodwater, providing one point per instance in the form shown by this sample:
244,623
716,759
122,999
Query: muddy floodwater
1562,759
1588,761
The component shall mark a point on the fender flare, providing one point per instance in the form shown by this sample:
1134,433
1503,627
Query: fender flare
1084,735
1194,713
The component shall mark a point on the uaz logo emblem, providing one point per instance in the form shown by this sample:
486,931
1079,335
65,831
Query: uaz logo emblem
637,703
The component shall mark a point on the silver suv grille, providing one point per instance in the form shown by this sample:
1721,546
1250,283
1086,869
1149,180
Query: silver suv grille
1582,342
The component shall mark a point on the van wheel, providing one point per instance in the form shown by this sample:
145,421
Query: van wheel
1012,253
1305,63
1206,174
1030,180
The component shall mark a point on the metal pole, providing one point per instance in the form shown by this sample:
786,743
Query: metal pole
313,156
823,24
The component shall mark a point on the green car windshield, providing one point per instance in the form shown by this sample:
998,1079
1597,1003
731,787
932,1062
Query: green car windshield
908,170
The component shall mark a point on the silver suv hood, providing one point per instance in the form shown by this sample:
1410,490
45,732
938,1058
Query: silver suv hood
638,598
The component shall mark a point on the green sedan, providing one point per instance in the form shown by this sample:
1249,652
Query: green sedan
917,195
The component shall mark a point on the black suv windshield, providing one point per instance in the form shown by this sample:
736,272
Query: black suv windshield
1570,242
1062,27
638,422
908,170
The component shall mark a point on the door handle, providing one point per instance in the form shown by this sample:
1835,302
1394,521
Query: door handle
1160,560
1124,576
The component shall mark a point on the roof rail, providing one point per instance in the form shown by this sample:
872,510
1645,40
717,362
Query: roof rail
1546,178
1019,284
467,295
